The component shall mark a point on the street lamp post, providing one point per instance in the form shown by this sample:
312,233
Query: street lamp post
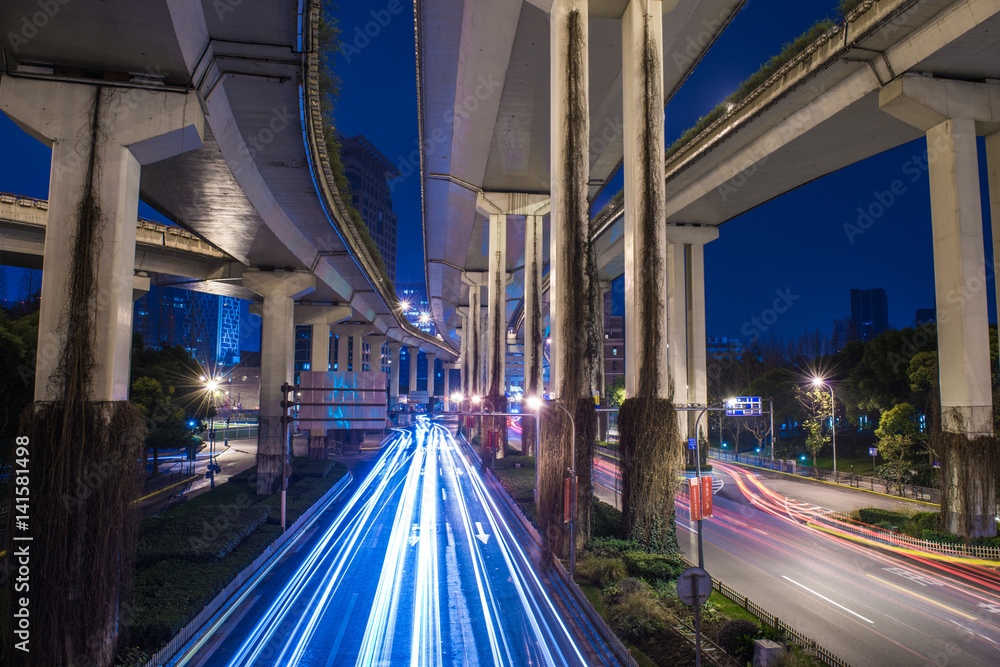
818,382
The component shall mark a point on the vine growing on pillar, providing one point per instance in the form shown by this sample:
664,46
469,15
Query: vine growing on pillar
84,476
650,436
572,208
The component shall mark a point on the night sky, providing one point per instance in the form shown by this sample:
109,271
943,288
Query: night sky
795,244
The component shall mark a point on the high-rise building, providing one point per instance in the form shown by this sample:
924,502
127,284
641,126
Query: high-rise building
206,325
869,312
369,173
418,309
614,342
843,333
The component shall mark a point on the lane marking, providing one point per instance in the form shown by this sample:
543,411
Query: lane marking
923,597
340,633
820,595
232,626
444,495
481,536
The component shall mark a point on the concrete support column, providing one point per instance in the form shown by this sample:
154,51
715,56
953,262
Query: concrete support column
463,357
646,300
431,361
534,324
277,363
993,183
474,347
100,137
446,372
375,344
414,354
342,352
570,173
569,118
394,348
952,113
320,318
484,359
357,352
686,312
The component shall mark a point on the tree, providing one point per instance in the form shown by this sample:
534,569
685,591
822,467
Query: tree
18,339
817,406
895,437
616,392
31,285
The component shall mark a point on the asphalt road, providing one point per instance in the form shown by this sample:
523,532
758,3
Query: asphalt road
867,606
417,567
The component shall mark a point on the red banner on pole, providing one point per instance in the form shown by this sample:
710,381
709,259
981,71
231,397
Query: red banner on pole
694,498
706,497
567,499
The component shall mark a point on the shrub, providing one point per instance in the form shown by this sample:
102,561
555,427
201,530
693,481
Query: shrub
205,535
736,638
518,482
652,567
302,467
509,462
601,570
636,615
610,547
625,587
873,515
605,519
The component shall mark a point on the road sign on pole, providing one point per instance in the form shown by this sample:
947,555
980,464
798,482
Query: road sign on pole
692,443
744,406
694,586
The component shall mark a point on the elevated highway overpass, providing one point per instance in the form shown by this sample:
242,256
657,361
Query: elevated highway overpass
894,71
217,105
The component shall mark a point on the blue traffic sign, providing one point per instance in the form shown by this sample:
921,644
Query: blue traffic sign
692,443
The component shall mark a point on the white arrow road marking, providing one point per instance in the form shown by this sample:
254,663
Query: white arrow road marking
481,536
414,537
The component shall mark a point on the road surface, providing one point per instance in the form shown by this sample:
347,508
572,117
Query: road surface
417,568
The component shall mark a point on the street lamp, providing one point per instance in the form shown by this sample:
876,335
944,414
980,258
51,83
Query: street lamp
211,386
819,382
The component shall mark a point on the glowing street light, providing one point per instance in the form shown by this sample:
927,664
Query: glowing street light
819,382
425,318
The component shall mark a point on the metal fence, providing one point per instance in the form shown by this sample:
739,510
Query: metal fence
247,577
843,522
232,432
765,617
909,491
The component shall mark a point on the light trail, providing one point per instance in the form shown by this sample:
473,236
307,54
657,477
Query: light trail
427,568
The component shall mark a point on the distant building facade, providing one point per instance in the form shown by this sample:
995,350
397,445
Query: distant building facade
843,333
614,342
723,347
416,296
206,325
369,173
869,312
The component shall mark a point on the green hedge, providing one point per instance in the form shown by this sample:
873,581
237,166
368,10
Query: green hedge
205,535
653,567
177,576
873,515
169,594
518,482
605,519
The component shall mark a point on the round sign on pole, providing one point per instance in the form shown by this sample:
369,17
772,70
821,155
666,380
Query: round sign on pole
694,586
